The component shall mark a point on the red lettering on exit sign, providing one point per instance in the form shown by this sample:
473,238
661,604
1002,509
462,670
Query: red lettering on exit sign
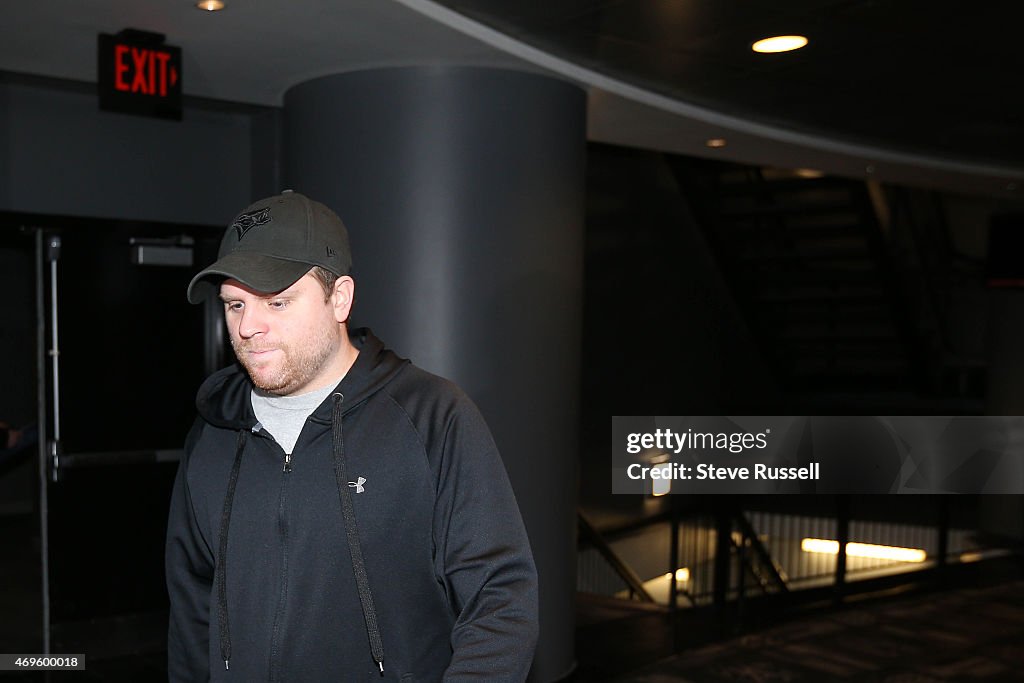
143,70
139,74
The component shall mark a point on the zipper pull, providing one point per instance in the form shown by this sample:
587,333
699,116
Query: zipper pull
287,462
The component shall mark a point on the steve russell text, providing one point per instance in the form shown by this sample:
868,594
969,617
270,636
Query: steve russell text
671,470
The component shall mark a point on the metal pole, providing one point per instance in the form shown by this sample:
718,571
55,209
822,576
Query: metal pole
673,560
41,420
723,543
843,536
943,531
54,342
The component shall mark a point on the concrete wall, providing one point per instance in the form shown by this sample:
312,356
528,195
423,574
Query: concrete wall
59,154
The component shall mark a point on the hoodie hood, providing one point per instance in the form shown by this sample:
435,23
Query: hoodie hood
224,401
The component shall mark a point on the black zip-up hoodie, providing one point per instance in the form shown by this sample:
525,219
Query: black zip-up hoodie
426,576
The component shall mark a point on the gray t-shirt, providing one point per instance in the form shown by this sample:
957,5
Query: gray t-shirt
284,416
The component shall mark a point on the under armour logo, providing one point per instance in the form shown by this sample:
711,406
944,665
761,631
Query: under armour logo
250,220
358,484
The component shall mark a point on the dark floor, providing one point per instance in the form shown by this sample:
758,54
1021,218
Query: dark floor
967,634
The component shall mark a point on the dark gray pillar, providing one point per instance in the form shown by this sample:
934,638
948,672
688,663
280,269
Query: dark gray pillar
463,191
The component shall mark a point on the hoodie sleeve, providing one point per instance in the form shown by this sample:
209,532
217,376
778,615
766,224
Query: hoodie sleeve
488,568
189,568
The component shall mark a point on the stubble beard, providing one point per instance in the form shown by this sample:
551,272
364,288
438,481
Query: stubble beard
299,365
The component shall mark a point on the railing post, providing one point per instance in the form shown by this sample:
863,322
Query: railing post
943,531
741,580
843,537
673,560
723,546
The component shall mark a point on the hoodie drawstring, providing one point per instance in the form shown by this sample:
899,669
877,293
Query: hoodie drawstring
351,532
221,576
354,548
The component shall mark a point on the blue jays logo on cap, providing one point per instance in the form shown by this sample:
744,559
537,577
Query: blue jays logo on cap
247,221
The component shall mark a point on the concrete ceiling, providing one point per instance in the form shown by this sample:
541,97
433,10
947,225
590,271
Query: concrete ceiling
254,50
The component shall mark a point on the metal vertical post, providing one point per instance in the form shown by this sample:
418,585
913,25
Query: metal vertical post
52,256
943,531
673,584
843,537
673,560
46,252
723,546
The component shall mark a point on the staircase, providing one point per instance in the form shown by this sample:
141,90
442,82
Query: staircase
810,262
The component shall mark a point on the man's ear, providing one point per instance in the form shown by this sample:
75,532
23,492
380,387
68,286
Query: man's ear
342,298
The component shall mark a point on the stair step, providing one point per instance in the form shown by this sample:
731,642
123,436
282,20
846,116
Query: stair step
809,209
786,186
851,296
778,321
854,382
845,328
821,277
769,200
804,254
863,306
847,366
811,228
868,348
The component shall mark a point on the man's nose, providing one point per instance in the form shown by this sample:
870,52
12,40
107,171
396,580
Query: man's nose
251,322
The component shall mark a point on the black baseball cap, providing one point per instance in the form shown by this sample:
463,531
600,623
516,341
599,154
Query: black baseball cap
273,243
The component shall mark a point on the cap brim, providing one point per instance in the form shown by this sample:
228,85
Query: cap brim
258,271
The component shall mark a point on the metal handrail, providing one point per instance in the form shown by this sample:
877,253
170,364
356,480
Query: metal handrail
764,557
593,536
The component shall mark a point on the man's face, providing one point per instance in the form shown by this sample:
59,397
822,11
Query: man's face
289,341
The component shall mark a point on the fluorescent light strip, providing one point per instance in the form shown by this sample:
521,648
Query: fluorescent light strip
779,44
877,552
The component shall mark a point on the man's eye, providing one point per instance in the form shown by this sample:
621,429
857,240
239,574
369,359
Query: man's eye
232,305
278,304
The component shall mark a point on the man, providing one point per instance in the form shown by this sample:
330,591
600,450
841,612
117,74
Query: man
339,514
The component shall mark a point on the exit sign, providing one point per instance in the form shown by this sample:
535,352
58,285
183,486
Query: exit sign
138,74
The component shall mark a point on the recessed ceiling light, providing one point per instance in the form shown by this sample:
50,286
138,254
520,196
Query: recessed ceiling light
210,5
715,143
779,44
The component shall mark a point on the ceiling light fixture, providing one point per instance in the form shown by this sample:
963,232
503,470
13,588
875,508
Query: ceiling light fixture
779,44
716,143
210,5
